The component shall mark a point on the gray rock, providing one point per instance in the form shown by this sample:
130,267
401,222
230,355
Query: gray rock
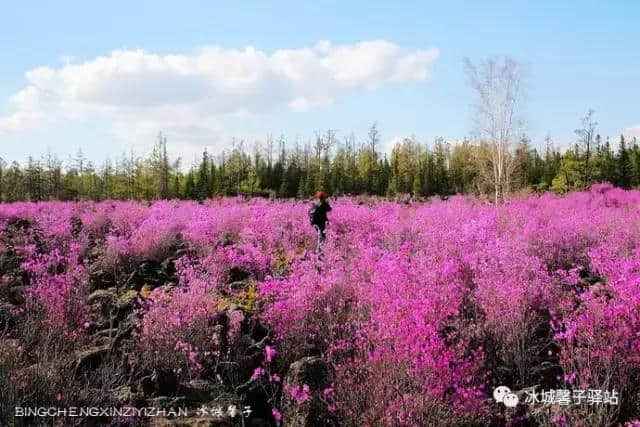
90,357
198,390
123,395
44,370
166,402
101,295
239,285
311,371
16,295
100,341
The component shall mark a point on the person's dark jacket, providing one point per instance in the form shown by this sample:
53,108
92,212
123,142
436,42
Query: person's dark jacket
318,213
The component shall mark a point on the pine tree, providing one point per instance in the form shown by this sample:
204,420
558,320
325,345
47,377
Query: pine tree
190,190
634,158
624,177
202,184
608,167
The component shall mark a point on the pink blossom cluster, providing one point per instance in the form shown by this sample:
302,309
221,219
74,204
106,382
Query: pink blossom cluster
178,330
424,307
300,393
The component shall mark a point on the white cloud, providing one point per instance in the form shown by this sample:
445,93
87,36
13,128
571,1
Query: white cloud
140,92
388,145
632,131
21,120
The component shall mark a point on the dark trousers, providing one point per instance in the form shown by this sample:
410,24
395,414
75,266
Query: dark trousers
321,237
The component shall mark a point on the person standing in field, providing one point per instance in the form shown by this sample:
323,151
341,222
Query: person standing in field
318,217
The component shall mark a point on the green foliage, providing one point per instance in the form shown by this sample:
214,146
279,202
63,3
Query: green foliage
340,167
570,175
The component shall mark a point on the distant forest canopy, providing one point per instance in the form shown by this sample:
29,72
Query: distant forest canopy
339,167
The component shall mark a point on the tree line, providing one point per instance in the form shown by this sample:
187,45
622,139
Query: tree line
339,166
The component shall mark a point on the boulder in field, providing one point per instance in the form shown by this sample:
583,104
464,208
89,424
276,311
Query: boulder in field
166,402
102,296
16,295
123,395
312,372
90,358
198,390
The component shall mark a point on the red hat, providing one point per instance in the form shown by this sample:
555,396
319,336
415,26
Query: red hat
320,194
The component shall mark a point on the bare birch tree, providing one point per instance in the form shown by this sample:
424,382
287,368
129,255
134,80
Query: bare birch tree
498,86
586,135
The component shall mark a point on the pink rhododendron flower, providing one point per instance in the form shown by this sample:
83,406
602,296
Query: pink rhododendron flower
270,353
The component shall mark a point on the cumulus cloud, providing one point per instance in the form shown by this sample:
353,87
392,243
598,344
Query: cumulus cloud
21,120
137,91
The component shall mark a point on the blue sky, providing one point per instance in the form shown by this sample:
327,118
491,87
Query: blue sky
107,76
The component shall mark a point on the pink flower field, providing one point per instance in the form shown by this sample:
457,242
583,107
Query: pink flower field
412,315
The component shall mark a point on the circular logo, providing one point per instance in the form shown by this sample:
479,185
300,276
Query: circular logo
500,392
510,400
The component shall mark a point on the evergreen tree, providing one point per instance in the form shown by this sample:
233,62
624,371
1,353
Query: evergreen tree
190,189
624,177
203,184
634,160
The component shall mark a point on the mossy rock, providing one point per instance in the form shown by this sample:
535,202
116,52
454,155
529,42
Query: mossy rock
102,295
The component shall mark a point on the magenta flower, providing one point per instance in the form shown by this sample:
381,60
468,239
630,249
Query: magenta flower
270,353
257,373
276,415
